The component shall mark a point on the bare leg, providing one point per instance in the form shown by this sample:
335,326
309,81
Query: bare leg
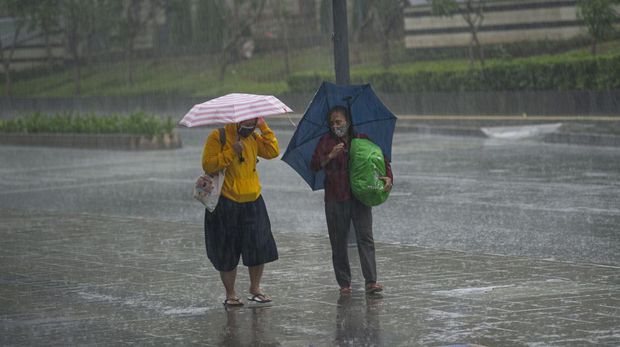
256,273
228,279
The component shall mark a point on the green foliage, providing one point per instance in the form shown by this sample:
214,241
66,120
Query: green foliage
599,16
307,82
543,73
265,72
505,51
137,123
179,15
211,24
444,7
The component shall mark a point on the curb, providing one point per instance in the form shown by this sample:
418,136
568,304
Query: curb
442,130
583,139
93,141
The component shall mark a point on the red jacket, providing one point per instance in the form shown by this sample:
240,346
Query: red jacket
337,186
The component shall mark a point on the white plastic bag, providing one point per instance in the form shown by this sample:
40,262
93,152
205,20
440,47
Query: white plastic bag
208,188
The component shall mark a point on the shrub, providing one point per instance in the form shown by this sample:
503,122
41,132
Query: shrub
542,73
137,123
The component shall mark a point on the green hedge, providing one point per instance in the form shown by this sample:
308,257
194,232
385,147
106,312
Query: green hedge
137,123
577,73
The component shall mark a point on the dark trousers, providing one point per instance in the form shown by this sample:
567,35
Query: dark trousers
237,229
339,215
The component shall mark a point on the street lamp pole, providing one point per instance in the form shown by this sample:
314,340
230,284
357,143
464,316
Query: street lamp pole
341,41
341,63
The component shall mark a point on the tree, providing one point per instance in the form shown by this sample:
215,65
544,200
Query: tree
87,25
472,12
281,13
180,21
239,18
388,15
599,17
137,14
76,15
17,10
361,24
45,17
381,19
105,20
211,24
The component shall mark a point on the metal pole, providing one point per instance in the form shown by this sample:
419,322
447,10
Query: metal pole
341,41
341,62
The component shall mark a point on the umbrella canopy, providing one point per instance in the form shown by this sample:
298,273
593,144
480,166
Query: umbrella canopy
369,116
233,108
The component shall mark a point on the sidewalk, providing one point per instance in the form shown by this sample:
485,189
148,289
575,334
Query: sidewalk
79,279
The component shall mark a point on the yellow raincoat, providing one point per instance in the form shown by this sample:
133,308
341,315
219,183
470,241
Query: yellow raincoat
241,180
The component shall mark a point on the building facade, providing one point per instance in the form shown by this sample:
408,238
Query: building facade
504,22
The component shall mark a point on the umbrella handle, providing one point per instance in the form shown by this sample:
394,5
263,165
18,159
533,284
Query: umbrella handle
241,158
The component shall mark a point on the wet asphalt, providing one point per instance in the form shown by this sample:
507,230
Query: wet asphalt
482,242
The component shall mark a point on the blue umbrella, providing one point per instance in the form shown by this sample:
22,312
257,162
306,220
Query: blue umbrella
369,116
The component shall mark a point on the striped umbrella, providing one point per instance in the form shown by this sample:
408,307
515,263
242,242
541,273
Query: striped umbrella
233,108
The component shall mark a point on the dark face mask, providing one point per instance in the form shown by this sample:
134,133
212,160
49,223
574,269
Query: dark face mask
245,131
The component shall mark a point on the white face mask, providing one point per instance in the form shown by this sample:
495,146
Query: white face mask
341,130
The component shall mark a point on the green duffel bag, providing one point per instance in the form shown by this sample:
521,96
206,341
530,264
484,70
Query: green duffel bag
366,165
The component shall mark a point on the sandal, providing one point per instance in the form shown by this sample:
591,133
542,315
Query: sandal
259,298
373,288
233,302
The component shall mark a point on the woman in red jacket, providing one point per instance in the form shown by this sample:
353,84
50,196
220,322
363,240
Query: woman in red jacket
341,207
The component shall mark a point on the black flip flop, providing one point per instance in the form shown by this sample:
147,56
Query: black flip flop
233,302
259,298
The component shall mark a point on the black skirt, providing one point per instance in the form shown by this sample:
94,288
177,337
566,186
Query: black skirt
239,229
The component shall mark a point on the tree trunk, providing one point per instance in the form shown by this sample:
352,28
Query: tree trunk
129,57
6,60
239,28
287,52
78,77
7,78
48,51
478,46
48,45
225,61
357,39
386,56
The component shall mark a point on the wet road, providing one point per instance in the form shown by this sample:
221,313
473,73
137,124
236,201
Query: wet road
545,201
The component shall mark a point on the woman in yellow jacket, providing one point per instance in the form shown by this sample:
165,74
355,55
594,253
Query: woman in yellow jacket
239,226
